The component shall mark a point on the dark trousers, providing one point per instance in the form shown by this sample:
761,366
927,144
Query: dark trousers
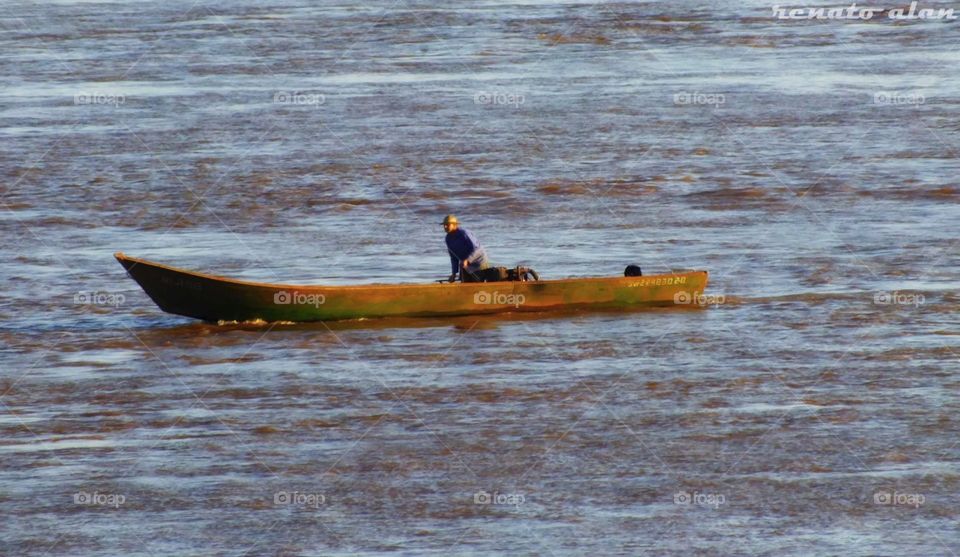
490,274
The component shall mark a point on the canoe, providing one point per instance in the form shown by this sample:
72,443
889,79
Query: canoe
215,298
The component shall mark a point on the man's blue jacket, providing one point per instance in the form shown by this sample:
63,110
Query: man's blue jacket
464,246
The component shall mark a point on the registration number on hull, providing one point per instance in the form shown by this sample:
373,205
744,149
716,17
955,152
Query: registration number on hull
658,281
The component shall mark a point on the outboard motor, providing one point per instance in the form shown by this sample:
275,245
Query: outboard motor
632,271
522,274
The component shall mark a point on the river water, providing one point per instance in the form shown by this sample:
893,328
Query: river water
809,165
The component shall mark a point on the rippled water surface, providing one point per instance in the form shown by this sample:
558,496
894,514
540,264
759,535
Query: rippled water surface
810,166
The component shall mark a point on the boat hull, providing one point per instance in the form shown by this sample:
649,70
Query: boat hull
213,298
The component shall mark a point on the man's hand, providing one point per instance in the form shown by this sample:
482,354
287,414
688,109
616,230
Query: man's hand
452,278
464,263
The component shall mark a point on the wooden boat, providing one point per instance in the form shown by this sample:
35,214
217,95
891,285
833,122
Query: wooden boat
214,298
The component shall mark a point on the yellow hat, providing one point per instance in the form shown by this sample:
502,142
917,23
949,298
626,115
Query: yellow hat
450,219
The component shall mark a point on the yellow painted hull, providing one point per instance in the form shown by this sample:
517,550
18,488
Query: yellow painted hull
214,298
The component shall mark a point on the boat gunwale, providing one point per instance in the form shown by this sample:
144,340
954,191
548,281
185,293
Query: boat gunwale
121,257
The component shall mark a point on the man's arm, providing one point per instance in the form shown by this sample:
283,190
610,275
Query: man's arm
450,241
474,248
454,267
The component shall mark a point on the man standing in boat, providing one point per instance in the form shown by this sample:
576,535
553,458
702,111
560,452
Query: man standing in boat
467,256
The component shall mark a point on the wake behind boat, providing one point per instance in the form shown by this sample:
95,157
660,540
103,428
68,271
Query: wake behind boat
215,298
